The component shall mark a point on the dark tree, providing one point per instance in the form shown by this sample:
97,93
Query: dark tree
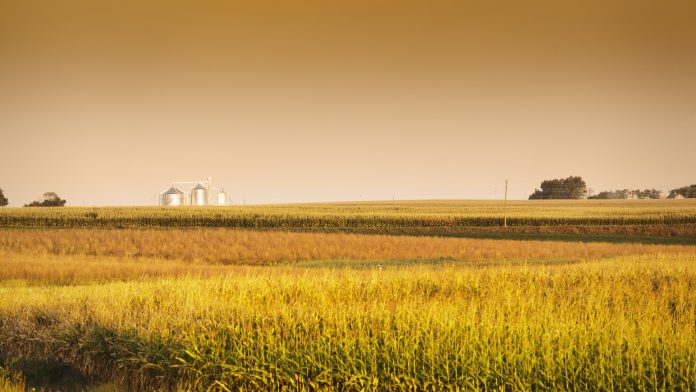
686,191
623,193
605,195
574,188
562,188
49,199
649,194
3,199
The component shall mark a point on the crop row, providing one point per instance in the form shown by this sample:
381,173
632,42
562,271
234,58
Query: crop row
260,219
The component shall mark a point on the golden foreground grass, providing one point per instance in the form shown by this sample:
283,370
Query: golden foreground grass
621,323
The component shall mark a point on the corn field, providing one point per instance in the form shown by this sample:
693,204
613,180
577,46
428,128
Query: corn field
618,323
191,299
436,214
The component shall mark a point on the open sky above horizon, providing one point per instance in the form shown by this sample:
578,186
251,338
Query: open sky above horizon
108,102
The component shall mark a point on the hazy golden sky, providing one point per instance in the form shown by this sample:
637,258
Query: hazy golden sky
107,102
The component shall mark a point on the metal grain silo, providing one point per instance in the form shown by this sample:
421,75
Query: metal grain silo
199,195
172,197
222,198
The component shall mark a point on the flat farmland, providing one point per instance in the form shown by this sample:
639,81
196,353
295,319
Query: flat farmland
583,296
408,214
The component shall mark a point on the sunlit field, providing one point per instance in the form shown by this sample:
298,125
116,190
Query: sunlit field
158,308
439,214
74,255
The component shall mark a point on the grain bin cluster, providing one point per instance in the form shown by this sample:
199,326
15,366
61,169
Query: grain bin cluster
198,193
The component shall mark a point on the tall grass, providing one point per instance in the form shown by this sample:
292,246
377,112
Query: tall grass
11,381
26,270
626,323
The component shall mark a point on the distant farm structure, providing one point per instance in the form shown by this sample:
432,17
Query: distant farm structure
200,193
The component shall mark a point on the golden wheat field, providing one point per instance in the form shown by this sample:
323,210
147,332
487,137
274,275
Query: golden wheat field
157,308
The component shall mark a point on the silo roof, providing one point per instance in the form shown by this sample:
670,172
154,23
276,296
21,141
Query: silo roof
172,191
199,186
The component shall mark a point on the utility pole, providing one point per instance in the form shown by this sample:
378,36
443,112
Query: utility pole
210,194
505,206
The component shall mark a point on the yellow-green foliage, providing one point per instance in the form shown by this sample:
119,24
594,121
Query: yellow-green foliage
439,214
625,323
10,380
11,385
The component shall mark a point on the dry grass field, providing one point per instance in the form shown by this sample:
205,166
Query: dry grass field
218,309
76,255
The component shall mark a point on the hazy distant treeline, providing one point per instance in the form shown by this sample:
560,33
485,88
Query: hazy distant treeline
628,193
686,191
574,187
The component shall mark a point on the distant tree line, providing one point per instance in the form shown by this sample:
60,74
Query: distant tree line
573,187
49,199
628,193
686,191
